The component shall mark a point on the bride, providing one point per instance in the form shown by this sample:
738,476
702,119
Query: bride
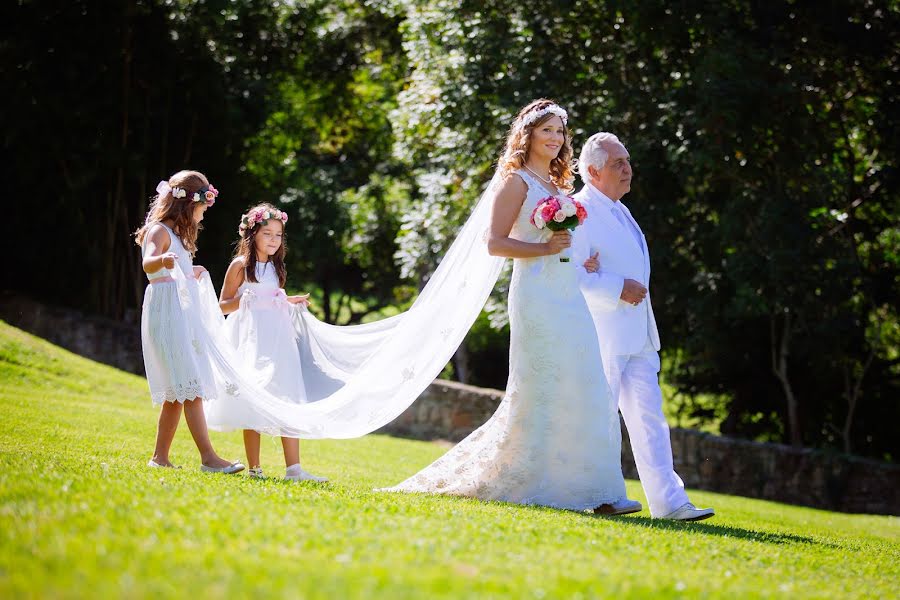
555,439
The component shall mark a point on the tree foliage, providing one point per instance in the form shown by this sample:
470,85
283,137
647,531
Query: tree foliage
764,140
763,135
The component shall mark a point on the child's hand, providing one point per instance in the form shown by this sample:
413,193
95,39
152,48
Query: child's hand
299,299
246,299
198,271
592,265
168,260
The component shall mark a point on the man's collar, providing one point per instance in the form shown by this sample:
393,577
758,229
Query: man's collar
599,196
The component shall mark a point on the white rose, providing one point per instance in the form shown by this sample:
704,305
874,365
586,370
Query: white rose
267,215
539,221
559,217
568,209
196,197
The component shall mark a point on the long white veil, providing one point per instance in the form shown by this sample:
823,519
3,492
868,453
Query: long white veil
357,378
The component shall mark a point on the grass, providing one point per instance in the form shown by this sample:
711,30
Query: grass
80,515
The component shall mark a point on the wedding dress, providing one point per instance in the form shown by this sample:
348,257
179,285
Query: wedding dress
555,438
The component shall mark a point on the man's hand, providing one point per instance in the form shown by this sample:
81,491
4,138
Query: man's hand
633,292
592,265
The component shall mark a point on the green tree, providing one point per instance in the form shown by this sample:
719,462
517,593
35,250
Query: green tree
763,137
325,151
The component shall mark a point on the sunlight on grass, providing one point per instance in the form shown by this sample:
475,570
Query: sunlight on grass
81,515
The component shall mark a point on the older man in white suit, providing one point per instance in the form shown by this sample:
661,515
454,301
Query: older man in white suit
619,301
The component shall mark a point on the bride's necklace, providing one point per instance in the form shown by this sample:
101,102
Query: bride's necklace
548,181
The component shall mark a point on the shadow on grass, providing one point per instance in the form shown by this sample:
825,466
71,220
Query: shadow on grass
696,527
766,537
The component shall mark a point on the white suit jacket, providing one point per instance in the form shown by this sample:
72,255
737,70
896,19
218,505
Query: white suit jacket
621,327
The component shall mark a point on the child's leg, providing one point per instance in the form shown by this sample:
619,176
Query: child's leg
169,416
196,421
291,451
251,445
293,470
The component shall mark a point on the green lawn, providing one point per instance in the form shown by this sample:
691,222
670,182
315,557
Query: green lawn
81,516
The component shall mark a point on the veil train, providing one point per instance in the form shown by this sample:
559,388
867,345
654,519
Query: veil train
357,378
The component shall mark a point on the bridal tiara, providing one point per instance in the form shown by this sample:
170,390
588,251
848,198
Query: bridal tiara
533,116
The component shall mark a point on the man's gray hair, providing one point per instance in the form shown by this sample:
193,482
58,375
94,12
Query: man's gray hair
594,153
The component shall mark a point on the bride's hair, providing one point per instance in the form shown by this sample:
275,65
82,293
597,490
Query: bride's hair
246,247
180,210
518,144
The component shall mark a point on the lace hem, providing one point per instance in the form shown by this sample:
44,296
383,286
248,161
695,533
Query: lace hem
180,393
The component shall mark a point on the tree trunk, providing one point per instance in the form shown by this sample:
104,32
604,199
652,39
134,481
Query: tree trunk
461,363
112,287
780,351
852,394
325,284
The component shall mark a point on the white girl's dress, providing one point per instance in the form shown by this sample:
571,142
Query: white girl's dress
262,332
177,367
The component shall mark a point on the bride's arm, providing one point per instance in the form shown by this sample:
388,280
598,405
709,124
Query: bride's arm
506,208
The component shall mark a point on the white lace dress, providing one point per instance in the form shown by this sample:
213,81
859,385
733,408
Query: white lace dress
555,438
262,332
177,367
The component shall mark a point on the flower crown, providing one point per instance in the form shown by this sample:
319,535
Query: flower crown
260,216
534,115
205,194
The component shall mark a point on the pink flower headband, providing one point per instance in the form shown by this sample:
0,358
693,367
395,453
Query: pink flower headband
260,216
206,194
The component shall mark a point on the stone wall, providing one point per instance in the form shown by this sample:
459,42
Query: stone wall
104,340
450,411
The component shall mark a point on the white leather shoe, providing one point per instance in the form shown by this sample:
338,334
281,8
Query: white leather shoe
689,512
619,507
296,473
155,465
235,467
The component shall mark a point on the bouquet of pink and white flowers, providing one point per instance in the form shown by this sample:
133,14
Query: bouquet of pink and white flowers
555,214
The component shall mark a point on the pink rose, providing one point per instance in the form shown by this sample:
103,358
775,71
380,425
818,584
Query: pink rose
580,212
547,211
559,217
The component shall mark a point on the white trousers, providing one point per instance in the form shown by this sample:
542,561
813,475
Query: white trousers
634,381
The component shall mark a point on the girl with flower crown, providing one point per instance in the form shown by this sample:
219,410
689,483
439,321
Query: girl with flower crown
259,325
178,371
